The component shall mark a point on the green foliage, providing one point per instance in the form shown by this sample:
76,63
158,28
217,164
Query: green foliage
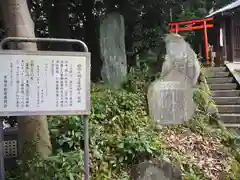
66,133
235,166
201,97
67,166
146,21
120,135
140,78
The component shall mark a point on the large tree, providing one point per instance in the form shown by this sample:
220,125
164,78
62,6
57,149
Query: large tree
91,36
58,27
33,130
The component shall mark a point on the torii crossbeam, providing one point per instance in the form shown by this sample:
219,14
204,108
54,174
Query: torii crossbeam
195,24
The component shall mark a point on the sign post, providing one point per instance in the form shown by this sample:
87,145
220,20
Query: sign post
46,83
2,169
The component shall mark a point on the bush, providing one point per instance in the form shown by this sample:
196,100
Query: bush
67,166
121,133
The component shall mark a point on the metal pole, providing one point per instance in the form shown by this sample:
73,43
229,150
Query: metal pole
2,169
26,39
86,148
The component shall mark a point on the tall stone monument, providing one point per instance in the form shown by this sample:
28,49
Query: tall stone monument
170,98
112,48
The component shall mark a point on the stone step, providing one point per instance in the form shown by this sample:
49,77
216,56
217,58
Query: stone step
225,93
233,127
220,80
228,108
218,69
227,100
225,86
230,118
217,74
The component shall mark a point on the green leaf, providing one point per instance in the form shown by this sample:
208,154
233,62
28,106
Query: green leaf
71,177
121,146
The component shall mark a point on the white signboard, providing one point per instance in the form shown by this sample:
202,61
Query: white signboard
44,83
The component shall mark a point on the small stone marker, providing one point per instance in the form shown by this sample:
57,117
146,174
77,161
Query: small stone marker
155,170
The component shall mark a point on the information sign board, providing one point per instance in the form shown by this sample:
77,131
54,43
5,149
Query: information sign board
44,83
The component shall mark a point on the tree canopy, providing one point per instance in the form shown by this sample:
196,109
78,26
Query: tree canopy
145,21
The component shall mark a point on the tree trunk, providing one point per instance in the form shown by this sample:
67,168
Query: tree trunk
129,20
32,129
91,26
58,23
131,60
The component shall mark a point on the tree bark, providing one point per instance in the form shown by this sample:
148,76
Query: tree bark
91,26
33,130
131,60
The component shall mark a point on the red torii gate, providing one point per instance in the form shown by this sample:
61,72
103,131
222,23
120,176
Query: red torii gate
195,24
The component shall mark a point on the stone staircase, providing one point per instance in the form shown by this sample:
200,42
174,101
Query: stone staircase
226,94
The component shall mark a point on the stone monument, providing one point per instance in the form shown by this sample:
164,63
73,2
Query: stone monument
112,48
180,56
170,98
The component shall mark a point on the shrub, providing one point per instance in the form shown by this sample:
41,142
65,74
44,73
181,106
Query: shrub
121,133
67,166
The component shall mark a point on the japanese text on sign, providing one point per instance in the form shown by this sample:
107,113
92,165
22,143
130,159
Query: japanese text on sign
40,84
